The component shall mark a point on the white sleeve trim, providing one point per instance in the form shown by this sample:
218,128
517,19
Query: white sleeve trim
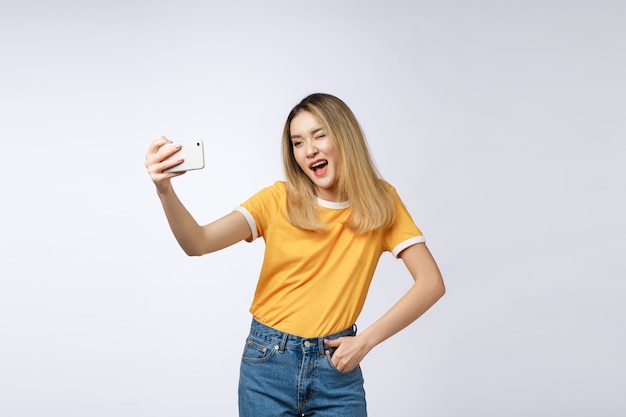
250,221
409,242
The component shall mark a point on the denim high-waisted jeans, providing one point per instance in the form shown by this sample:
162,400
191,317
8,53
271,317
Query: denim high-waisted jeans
287,376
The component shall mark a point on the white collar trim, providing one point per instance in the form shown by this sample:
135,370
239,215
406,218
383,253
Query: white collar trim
333,204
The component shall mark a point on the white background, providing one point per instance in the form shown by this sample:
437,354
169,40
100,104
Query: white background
501,124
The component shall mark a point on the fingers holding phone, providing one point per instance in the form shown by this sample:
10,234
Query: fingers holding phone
188,156
156,156
166,160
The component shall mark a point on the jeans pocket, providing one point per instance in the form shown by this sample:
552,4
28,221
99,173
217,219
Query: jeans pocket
329,359
256,351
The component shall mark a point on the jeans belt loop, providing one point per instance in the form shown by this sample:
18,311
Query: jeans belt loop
283,343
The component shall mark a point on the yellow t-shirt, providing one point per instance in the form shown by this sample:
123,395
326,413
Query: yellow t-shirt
315,283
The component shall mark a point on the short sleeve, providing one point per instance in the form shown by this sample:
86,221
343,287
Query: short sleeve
261,207
404,232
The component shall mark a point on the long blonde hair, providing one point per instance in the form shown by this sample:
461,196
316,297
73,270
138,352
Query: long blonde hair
359,182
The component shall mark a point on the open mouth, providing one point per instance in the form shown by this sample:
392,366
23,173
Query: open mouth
319,165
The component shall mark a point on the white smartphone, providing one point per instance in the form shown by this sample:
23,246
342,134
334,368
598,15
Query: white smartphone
193,154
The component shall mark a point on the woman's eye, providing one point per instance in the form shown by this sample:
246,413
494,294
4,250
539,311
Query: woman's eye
296,144
322,136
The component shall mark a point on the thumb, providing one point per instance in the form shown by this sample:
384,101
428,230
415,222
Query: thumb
332,343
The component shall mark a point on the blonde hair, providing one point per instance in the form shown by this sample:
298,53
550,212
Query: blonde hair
359,182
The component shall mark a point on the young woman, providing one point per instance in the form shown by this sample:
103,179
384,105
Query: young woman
325,228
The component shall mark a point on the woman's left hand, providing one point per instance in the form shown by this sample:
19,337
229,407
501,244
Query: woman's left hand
350,352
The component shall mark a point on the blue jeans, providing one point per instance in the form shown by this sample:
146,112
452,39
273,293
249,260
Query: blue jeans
283,375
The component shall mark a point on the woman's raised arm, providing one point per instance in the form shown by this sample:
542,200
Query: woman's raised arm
193,238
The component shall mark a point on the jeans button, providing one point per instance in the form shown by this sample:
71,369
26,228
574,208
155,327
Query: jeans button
307,343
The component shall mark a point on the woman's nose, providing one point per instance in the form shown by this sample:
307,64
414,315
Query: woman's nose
311,150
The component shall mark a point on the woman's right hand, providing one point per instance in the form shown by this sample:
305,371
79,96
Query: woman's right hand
156,163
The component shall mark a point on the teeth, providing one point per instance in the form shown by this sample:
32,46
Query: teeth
317,164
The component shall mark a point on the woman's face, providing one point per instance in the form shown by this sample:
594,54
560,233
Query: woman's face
315,154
